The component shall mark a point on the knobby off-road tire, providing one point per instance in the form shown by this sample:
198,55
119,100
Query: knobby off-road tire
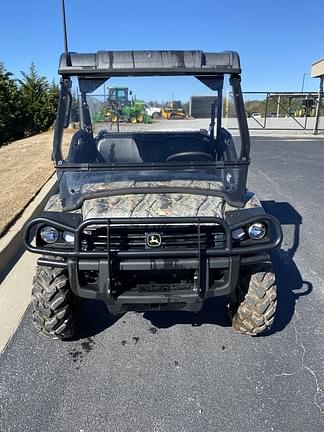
53,303
256,312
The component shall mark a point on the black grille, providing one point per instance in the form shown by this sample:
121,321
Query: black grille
134,238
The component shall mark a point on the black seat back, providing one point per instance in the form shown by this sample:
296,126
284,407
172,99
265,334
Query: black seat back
118,150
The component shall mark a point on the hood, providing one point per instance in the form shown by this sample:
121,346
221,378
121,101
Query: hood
154,204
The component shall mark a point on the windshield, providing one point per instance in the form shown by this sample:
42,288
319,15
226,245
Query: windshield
144,126
133,136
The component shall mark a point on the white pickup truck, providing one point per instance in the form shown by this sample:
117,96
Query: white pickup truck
153,111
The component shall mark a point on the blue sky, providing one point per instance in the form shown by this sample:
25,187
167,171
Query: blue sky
277,40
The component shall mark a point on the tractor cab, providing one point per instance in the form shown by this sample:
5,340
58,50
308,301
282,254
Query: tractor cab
118,96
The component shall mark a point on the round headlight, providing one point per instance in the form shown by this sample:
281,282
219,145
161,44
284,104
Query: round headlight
68,236
257,231
49,234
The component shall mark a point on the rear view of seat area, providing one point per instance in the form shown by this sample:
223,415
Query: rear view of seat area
150,147
125,148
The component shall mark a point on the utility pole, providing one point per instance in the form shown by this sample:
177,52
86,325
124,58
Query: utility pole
278,106
302,88
318,107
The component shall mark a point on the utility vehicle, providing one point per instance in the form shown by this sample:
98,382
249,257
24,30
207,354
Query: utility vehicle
152,221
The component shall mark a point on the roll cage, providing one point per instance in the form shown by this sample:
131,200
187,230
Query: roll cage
93,69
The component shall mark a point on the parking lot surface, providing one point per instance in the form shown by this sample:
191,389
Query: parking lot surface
185,372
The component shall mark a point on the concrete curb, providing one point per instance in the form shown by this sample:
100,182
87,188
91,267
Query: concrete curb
11,244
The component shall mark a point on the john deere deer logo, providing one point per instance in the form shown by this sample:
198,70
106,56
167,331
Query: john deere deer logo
153,240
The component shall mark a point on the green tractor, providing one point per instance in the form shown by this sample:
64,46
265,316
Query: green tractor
119,107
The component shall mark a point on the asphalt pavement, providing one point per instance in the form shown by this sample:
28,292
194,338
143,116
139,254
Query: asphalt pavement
184,372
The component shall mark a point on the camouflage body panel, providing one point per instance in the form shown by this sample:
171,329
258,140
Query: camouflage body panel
54,204
252,201
153,205
191,184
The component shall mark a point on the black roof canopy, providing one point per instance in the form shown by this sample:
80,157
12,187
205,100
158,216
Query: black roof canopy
107,64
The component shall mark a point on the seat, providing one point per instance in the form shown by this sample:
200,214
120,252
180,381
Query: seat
118,150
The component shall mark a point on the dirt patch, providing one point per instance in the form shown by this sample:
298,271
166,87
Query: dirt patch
25,166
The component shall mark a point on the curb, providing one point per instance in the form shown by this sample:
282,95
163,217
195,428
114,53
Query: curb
11,245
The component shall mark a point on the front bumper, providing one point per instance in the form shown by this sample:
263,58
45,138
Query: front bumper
214,271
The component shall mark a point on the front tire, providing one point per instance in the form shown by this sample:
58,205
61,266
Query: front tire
114,118
256,312
53,303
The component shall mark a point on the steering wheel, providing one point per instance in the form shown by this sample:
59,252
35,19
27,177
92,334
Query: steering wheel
190,156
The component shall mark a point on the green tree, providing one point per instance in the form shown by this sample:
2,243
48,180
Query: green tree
10,108
39,100
53,98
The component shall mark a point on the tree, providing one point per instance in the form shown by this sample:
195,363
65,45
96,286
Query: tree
10,108
53,98
27,106
39,100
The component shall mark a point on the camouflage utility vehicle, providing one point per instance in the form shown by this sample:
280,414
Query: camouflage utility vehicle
152,221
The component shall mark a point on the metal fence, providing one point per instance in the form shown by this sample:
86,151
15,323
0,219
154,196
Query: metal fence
281,111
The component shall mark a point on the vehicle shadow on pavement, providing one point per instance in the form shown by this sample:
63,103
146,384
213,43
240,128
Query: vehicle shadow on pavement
93,319
290,283
213,312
